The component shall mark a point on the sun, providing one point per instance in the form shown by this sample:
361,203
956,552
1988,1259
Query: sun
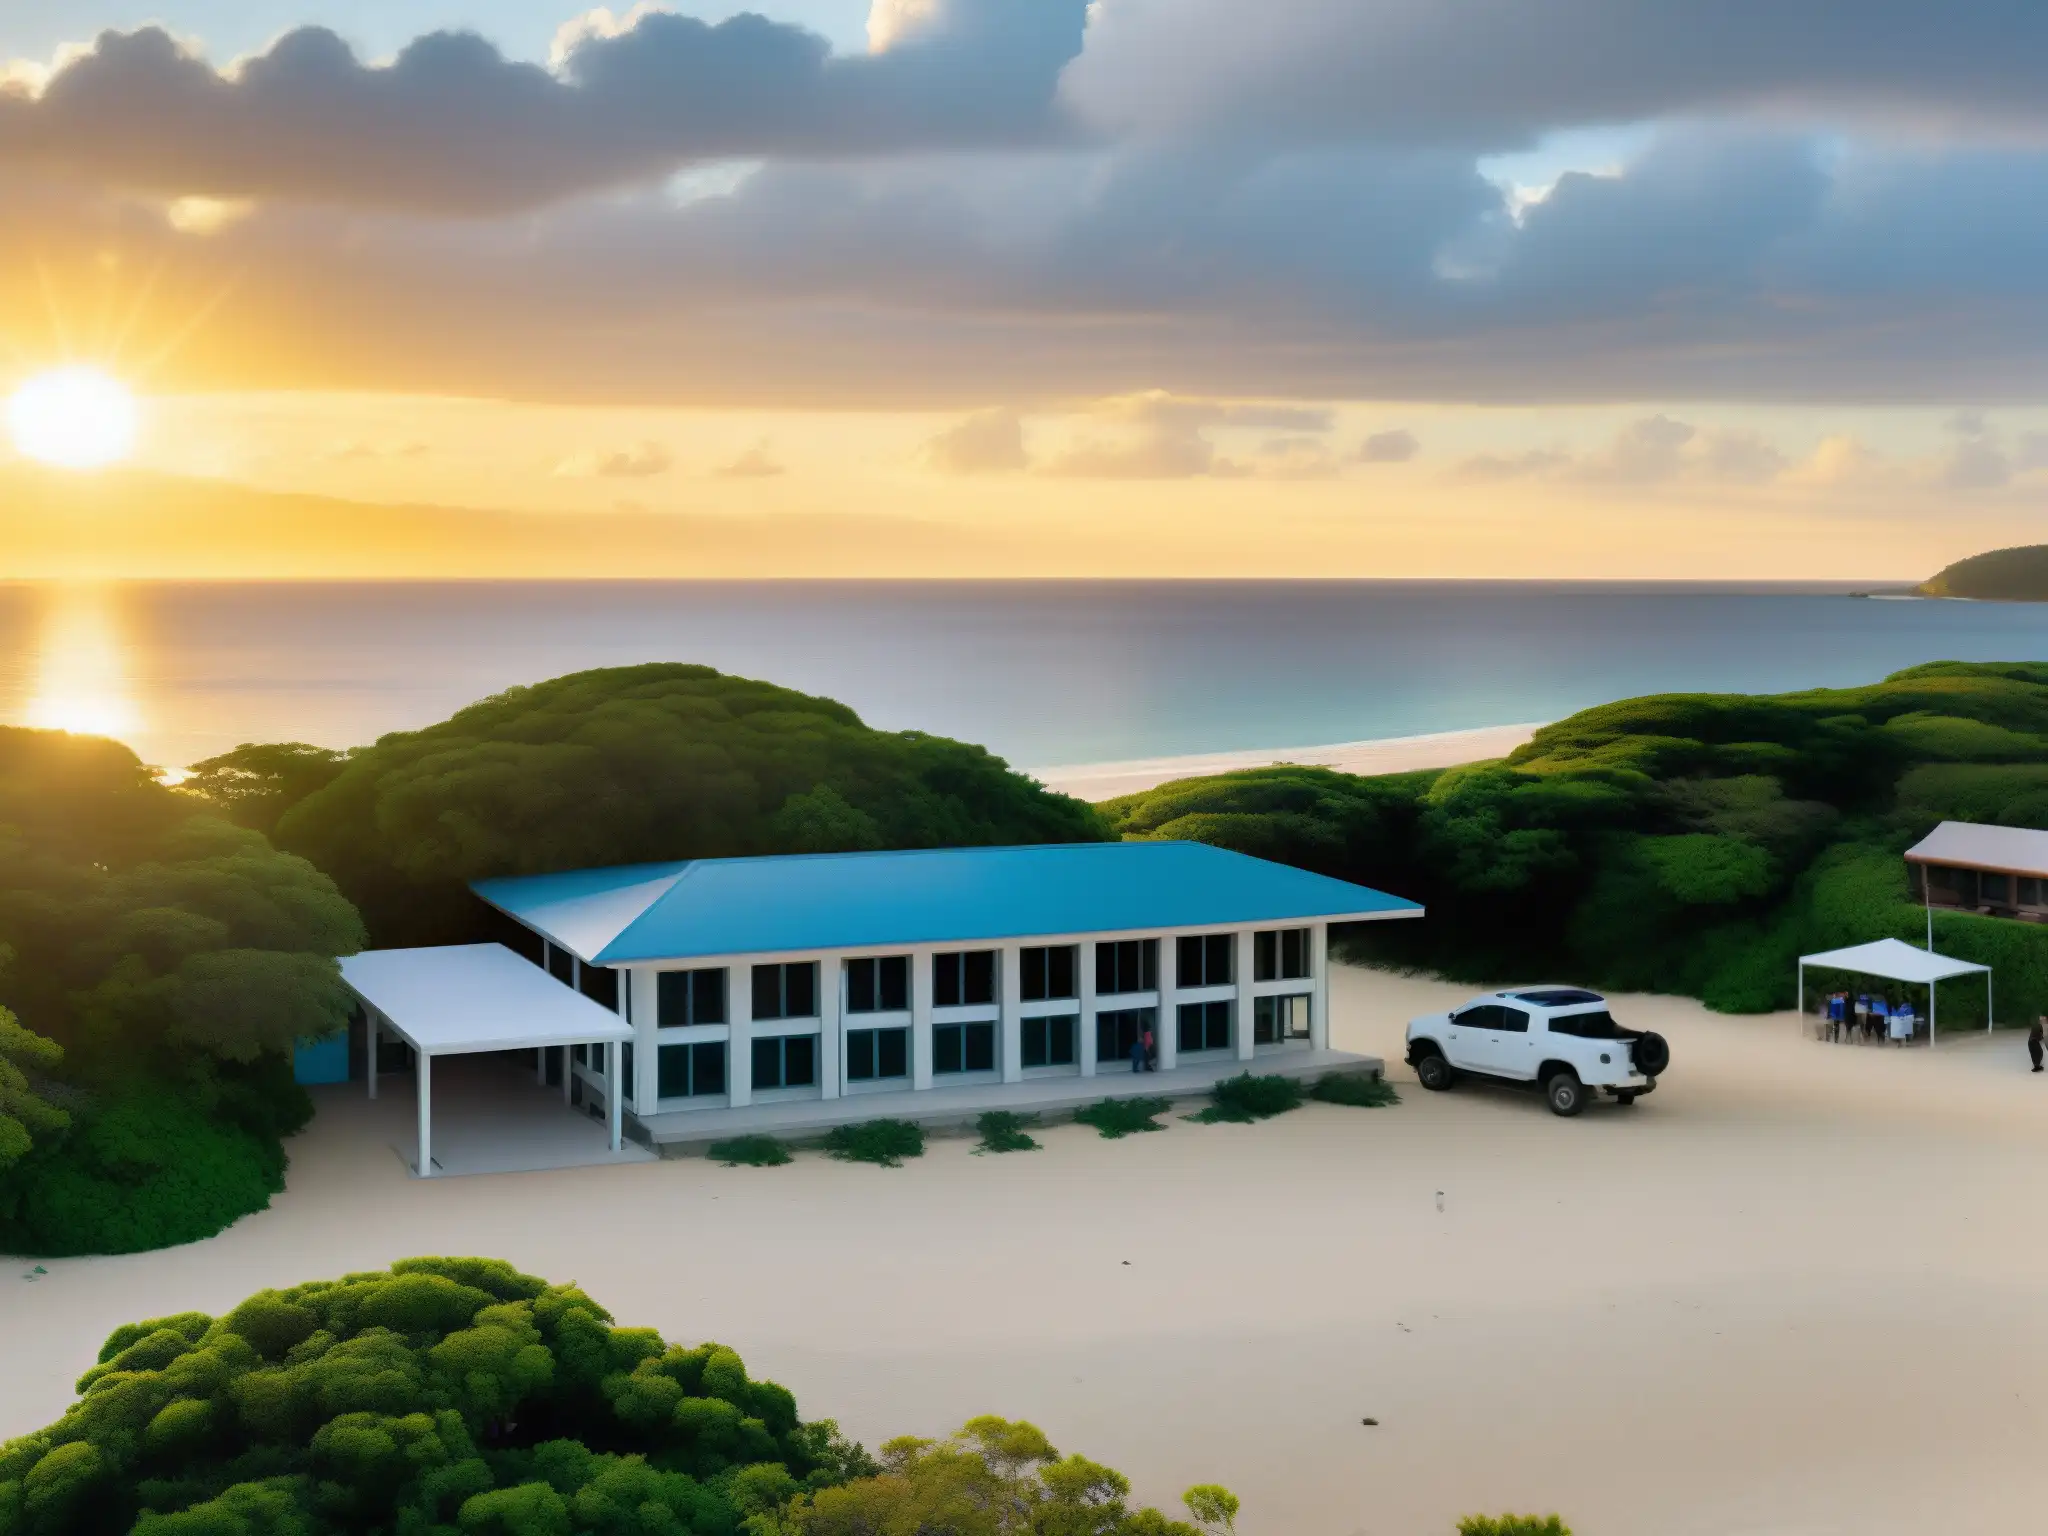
73,418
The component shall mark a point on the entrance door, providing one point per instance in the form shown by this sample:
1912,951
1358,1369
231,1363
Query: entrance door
1116,1033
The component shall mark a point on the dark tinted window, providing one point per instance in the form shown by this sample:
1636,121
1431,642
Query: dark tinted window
877,1053
786,991
1128,965
964,978
561,964
1587,1026
1513,1020
1049,1042
689,997
1048,972
1203,960
1559,997
601,986
1204,1026
786,1061
690,1071
963,1048
1117,1031
1293,953
879,985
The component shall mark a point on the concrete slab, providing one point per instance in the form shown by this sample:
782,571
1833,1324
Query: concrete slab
1049,1098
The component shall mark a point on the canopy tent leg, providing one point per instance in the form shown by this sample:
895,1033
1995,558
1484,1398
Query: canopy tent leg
612,1052
1987,1002
1930,1013
426,1065
1802,997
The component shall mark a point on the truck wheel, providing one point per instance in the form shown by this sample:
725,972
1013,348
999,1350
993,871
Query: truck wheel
1433,1072
1652,1054
1566,1093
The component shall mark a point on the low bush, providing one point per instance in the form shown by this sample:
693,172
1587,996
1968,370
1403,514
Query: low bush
750,1152
1123,1117
882,1142
1354,1088
1242,1099
1002,1131
1513,1525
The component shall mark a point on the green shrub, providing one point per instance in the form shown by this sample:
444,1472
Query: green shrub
1242,1099
1002,1131
750,1152
1513,1525
1124,1117
883,1142
1358,1089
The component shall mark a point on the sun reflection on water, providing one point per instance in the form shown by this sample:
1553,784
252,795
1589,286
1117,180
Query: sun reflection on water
82,682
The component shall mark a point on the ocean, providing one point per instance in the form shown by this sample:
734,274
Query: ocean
1043,673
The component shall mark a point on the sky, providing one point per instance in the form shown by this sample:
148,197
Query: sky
1630,288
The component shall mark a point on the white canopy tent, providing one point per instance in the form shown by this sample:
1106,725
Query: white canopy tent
462,999
1897,961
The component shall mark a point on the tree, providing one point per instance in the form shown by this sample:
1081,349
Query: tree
259,781
635,764
22,1113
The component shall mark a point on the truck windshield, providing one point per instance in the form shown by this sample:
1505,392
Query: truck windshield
1589,1026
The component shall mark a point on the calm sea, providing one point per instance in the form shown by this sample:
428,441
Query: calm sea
1043,672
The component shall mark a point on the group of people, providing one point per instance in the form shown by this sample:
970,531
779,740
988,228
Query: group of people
1868,1016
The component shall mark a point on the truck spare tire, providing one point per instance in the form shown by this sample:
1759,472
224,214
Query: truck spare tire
1652,1054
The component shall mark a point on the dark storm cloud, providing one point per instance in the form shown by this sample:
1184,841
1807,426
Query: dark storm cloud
452,126
1492,74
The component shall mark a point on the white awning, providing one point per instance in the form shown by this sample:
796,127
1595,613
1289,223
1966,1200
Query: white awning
1974,845
1895,961
461,998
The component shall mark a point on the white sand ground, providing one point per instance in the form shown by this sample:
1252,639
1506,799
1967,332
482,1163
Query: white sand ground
1393,754
1799,1290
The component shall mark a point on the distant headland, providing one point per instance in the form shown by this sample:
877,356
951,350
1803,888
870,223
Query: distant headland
2017,575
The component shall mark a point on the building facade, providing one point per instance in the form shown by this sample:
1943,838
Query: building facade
754,981
1974,867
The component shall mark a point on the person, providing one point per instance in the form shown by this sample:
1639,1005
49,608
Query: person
1151,1054
1138,1054
1838,1009
1863,1014
1880,1017
2034,1039
1900,1017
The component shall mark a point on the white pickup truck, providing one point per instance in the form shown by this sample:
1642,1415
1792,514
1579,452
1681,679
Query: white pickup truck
1560,1037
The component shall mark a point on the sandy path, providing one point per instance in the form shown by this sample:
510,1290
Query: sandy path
1796,1291
1392,754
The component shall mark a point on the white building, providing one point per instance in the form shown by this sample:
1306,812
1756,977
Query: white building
803,980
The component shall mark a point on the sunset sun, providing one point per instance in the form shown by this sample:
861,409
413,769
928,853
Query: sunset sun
73,418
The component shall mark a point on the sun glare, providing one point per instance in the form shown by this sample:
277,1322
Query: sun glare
73,418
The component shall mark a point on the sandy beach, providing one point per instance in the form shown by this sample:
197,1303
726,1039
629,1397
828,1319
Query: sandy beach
1393,754
1795,1291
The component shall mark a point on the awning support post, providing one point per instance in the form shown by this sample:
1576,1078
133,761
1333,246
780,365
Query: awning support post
426,1066
613,1051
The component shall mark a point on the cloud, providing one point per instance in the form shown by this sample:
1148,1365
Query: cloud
452,126
1841,460
1653,450
756,463
1163,436
1482,468
638,462
985,443
1395,447
1497,73
356,450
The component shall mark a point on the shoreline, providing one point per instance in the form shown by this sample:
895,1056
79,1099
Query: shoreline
1386,754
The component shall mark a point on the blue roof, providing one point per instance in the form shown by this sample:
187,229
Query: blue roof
795,902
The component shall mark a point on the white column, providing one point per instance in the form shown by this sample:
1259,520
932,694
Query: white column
1319,997
831,1017
1010,1024
1245,1006
921,1019
1084,1048
426,1074
1167,1032
739,1049
614,1061
371,1032
642,986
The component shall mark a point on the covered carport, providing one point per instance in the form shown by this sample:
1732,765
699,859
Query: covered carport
468,999
1895,960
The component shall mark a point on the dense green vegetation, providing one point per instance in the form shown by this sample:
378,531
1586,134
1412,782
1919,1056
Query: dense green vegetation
455,1396
1244,1098
1513,1525
1687,843
156,966
1115,1118
1003,1130
621,766
2018,575
1355,1089
885,1143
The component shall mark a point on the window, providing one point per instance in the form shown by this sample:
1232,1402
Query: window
963,1048
1049,1042
2030,891
1943,878
1493,1016
1992,889
1589,1026
1204,1026
1128,965
1280,954
626,1071
690,1071
1050,971
689,997
1203,960
561,964
964,977
1118,1031
877,1053
1279,1019
879,985
786,1061
786,991
601,986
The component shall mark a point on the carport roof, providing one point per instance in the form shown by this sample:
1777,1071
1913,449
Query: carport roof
461,998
